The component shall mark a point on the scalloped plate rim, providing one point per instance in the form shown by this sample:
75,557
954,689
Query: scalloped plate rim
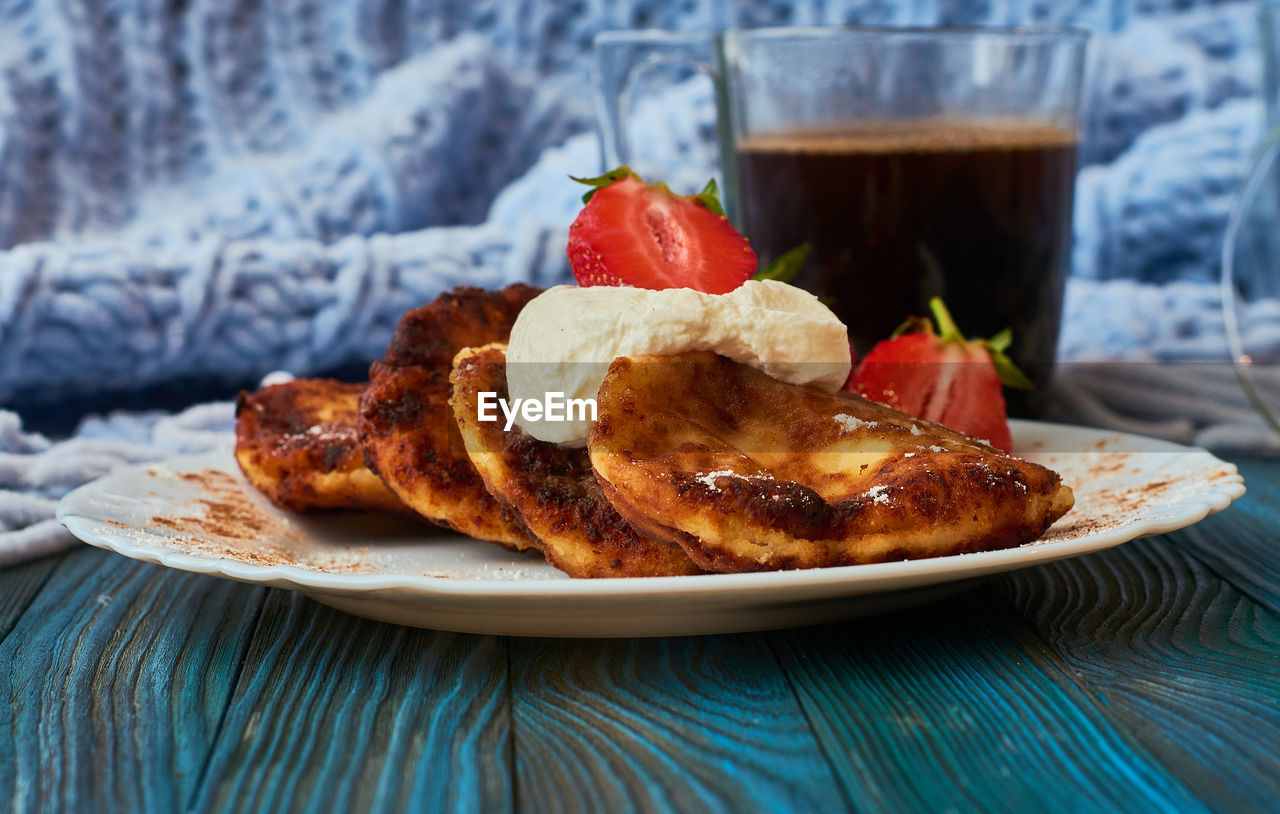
850,580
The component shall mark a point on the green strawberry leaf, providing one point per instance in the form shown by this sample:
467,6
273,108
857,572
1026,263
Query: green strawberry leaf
1001,341
912,325
786,266
710,198
1010,376
602,181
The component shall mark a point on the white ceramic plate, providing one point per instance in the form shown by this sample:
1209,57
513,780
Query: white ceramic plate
199,514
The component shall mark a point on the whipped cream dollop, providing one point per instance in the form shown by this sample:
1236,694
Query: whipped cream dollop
565,338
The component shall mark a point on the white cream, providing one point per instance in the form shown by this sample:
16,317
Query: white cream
565,338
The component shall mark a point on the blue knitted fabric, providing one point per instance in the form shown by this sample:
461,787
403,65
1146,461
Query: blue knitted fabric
212,190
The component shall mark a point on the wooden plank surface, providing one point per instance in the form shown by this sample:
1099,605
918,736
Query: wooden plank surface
955,706
19,585
1242,545
115,680
1182,659
335,713
1145,678
685,724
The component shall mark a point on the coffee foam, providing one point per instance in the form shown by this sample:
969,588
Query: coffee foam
916,135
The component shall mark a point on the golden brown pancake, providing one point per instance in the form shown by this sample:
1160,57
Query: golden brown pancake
551,488
408,433
296,442
748,473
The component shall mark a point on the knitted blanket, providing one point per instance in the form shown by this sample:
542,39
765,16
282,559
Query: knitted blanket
211,191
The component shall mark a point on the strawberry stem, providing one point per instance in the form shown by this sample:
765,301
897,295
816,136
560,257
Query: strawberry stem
947,330
1009,373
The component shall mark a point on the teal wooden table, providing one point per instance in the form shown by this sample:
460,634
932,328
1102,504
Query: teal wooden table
1146,678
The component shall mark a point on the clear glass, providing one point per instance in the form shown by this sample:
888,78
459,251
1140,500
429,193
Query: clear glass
1251,284
1270,22
914,162
1251,250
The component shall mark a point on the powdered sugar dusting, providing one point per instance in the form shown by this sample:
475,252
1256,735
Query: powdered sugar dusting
878,494
850,423
710,478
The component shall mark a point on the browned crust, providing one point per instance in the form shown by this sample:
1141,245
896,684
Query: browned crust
800,489
296,442
552,488
406,428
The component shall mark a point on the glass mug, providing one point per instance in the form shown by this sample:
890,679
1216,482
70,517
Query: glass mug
914,162
1251,249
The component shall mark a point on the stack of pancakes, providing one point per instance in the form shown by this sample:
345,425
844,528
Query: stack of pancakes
695,464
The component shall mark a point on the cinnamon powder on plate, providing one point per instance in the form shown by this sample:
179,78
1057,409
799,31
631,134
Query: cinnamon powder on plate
225,522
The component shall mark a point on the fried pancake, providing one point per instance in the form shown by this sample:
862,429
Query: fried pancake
408,433
551,488
296,442
751,474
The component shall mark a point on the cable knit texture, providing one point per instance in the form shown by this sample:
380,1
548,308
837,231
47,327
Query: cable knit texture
214,189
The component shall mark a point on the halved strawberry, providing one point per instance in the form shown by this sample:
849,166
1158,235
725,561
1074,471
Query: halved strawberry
942,376
644,235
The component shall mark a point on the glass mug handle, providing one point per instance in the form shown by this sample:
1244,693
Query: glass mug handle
620,57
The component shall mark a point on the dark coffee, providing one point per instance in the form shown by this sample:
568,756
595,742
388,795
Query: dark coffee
977,212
